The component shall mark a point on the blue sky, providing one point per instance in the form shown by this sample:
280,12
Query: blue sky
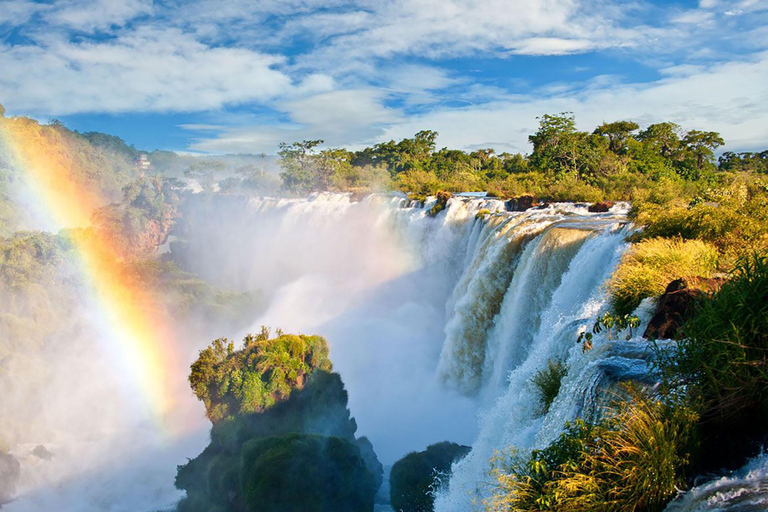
242,76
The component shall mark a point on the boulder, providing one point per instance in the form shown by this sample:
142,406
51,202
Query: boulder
520,204
41,452
600,207
676,305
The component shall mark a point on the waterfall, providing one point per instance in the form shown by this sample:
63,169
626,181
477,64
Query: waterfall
435,323
568,272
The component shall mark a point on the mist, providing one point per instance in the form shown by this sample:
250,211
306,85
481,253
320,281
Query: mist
369,276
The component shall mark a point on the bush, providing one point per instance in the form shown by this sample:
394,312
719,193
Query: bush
415,477
650,265
722,365
305,472
254,378
632,461
547,382
732,216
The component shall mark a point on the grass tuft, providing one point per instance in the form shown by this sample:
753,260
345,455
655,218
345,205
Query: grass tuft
547,382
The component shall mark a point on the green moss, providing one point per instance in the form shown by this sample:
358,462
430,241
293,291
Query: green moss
305,472
415,477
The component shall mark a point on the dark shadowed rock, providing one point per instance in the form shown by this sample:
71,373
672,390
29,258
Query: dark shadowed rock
41,452
10,470
676,305
520,204
600,207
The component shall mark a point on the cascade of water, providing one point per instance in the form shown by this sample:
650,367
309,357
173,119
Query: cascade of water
515,417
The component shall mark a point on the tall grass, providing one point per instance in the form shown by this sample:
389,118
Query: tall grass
725,356
650,265
633,461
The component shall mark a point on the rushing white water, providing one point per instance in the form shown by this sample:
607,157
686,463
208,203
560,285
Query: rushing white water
745,490
557,291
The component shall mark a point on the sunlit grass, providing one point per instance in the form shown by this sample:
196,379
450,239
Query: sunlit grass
650,265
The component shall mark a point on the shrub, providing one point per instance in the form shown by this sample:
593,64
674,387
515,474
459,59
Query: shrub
547,382
732,216
231,382
415,477
631,461
722,365
650,265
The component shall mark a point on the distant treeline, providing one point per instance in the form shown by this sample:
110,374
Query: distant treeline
607,163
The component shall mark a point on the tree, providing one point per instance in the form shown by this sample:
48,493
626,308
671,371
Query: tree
557,144
664,137
204,172
702,145
299,164
617,133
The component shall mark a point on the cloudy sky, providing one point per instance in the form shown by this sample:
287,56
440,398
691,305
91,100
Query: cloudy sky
242,76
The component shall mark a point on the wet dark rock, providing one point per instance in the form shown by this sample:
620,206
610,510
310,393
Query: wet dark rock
520,204
600,207
41,452
441,204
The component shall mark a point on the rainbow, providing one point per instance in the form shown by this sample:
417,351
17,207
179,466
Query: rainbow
135,332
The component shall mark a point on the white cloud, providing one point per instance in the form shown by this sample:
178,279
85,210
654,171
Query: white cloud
350,118
96,15
729,98
17,12
142,70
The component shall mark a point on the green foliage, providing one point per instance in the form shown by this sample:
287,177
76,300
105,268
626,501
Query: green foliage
744,162
733,216
613,324
547,382
301,172
633,461
138,224
723,362
305,472
650,265
557,145
254,378
415,478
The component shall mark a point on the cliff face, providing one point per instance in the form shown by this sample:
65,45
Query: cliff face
10,470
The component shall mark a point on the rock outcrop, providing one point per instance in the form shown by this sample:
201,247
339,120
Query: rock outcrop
520,204
676,305
600,207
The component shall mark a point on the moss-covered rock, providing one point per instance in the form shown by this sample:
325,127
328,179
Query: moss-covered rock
214,479
415,477
308,473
